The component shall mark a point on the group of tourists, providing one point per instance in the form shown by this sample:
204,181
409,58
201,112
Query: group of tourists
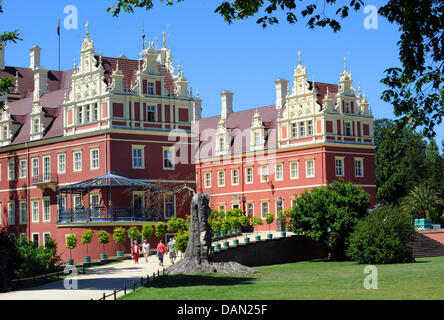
160,251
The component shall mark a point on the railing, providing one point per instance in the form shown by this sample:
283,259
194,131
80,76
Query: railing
133,286
106,214
45,178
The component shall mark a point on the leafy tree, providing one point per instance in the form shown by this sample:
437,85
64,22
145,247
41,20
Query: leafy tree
119,236
176,225
422,202
71,243
225,225
133,233
256,221
244,221
269,218
434,168
87,238
415,89
234,222
103,238
382,237
147,231
283,216
51,246
215,225
160,230
182,241
399,160
329,214
7,37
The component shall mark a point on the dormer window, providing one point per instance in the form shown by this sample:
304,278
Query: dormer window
222,138
257,132
151,113
221,143
36,125
5,133
347,107
348,129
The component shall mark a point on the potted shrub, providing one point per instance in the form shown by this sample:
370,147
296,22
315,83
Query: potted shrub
234,223
269,218
283,216
215,227
254,222
119,238
225,226
244,222
103,238
87,239
70,243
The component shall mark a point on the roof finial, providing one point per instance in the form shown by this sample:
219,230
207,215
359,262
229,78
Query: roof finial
156,39
143,36
87,29
345,64
163,39
299,57
197,93
75,65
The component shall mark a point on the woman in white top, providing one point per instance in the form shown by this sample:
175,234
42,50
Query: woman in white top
146,249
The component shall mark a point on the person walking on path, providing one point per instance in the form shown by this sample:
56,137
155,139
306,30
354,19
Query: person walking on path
135,250
146,249
160,252
170,250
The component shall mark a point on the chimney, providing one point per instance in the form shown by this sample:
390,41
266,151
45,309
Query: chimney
227,103
281,92
34,54
2,56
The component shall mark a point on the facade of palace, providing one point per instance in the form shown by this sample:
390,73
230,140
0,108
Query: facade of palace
107,119
119,142
259,159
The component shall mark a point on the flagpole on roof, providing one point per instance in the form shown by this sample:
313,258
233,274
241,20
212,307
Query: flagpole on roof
58,33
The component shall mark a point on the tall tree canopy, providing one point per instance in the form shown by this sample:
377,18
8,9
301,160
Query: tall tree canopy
399,160
414,89
5,37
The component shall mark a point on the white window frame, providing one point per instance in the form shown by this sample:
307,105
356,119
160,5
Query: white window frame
165,203
206,175
44,238
249,176
33,216
59,168
292,175
75,168
222,207
281,176
94,162
150,88
11,215
361,161
22,168
341,168
142,156
43,209
23,216
349,123
58,202
309,128
38,237
46,175
234,183
35,166
294,130
252,208
307,174
262,208
152,109
170,151
302,129
265,177
219,184
11,174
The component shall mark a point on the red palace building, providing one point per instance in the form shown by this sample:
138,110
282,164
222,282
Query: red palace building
114,142
259,160
92,147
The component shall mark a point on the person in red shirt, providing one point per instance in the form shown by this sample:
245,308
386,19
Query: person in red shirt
160,252
135,251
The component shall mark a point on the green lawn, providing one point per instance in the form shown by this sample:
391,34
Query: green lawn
316,279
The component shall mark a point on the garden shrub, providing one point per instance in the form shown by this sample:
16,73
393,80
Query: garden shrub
382,237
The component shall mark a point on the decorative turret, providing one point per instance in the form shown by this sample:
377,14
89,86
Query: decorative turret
346,82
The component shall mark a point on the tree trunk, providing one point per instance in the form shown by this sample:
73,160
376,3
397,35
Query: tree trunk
199,243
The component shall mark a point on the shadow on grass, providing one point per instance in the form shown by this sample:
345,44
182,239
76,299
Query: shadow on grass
181,280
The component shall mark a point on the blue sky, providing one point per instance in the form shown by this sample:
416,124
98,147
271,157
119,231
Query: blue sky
242,57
